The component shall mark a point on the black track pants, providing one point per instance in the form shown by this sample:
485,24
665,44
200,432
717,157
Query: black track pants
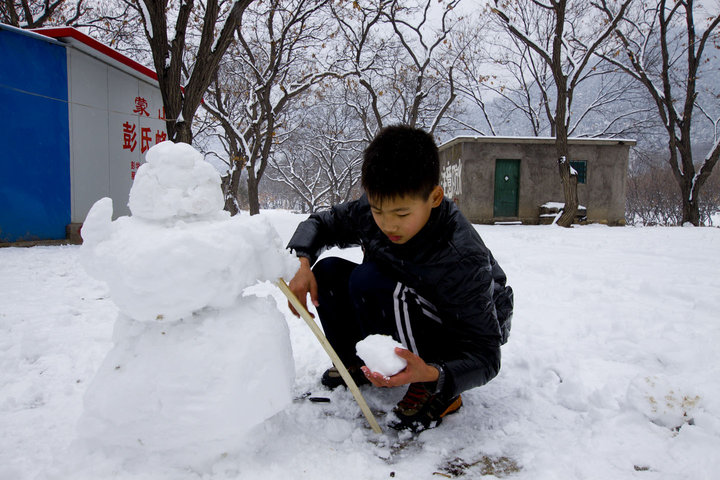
360,300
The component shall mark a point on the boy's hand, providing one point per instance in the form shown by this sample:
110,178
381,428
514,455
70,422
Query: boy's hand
303,283
416,371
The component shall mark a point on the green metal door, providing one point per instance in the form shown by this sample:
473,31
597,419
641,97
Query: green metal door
507,180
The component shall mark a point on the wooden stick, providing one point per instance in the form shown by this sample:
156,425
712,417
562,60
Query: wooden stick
331,352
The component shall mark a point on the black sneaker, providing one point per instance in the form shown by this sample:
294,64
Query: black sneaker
332,379
420,409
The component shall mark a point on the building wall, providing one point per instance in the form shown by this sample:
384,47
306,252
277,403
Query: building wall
34,146
468,167
115,119
78,121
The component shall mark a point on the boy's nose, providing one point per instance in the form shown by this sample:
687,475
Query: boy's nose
390,228
386,225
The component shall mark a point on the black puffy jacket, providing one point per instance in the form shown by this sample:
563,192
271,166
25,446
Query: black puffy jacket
447,263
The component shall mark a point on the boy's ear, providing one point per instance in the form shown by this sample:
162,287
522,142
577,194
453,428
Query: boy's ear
437,195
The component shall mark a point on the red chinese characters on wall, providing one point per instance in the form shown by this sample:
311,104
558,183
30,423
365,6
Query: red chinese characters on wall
141,106
143,137
133,169
129,136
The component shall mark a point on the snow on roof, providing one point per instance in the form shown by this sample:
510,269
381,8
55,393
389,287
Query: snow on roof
538,140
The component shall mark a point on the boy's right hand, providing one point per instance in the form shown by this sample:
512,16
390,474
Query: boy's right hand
303,283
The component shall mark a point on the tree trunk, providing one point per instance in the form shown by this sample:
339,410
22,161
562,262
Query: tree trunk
183,133
685,177
690,206
569,182
253,200
691,212
231,183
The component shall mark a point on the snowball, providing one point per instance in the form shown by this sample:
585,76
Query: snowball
176,183
378,353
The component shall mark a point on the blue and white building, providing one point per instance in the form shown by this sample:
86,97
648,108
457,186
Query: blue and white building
77,118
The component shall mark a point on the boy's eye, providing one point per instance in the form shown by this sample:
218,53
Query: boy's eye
403,214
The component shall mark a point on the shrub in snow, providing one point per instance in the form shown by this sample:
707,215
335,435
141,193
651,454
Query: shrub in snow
665,401
378,353
195,364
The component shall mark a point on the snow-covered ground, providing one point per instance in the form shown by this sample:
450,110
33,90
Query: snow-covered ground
612,371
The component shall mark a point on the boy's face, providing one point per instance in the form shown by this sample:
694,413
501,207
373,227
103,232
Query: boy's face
401,218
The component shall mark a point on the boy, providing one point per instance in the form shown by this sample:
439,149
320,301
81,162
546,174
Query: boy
426,279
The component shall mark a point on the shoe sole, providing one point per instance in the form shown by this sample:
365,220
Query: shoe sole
332,379
419,427
453,407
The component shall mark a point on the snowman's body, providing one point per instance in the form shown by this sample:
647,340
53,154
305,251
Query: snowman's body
194,362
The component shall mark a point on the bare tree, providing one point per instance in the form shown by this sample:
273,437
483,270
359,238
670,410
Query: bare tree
401,60
187,54
39,13
322,157
510,89
426,46
394,68
119,25
281,53
367,56
652,193
663,48
521,84
573,41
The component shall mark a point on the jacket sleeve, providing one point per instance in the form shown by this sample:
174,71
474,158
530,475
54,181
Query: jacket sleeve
504,300
473,324
330,228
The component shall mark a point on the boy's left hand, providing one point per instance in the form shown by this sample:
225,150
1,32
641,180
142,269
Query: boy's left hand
416,371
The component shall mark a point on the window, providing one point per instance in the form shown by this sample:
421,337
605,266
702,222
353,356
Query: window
580,167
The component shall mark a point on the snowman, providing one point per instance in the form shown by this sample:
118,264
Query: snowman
195,363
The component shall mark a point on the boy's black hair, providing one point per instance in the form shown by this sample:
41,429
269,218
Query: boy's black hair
401,161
